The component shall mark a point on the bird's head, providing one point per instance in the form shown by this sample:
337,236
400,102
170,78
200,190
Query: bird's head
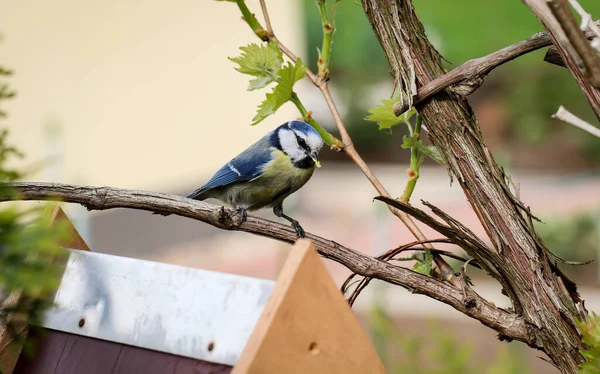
299,140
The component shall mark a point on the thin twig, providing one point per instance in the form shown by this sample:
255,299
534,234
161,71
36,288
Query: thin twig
312,76
415,162
286,51
571,119
324,88
325,52
473,71
349,149
448,254
588,55
266,16
389,255
467,290
565,49
102,198
548,361
394,251
364,282
573,263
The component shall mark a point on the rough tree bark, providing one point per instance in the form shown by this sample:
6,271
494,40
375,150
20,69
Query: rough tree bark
563,45
519,258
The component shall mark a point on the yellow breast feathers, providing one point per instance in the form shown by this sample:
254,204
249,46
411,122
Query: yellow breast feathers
280,173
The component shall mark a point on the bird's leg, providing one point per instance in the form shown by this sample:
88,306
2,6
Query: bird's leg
243,214
278,211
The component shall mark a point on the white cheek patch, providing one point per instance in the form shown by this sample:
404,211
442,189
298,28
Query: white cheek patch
314,141
289,144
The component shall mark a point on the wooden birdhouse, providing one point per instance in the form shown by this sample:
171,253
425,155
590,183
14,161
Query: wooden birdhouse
120,315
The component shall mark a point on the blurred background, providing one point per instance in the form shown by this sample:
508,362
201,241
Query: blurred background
140,94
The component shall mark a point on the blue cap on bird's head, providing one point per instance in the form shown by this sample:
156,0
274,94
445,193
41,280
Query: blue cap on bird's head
303,127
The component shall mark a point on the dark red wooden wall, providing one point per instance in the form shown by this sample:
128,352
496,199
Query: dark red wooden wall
57,352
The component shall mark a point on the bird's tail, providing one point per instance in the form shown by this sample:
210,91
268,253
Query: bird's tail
199,194
196,195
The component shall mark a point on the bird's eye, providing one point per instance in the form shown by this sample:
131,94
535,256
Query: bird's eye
301,142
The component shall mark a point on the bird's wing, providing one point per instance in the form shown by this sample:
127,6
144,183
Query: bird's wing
245,167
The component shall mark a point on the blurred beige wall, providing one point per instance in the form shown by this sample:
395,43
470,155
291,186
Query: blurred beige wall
142,91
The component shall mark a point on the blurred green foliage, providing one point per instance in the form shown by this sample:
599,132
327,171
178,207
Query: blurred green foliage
527,90
591,336
437,352
29,243
465,29
573,238
355,48
357,63
5,91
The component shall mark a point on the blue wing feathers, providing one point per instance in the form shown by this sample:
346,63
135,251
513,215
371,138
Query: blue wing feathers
223,177
243,168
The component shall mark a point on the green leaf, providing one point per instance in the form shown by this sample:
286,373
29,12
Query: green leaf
591,337
428,150
260,82
287,77
433,153
424,264
384,115
411,141
262,61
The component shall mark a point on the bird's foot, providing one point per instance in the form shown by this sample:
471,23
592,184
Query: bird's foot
299,230
243,215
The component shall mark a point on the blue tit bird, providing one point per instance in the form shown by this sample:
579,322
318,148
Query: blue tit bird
267,172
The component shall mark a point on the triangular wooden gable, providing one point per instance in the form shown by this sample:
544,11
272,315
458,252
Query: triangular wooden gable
307,326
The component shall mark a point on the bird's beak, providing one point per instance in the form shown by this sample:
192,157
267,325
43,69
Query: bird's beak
315,158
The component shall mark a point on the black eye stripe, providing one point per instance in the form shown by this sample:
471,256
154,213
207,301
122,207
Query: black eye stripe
301,142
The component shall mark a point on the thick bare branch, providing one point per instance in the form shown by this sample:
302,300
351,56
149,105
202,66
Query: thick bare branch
588,23
507,324
592,33
575,37
473,71
453,129
566,50
467,77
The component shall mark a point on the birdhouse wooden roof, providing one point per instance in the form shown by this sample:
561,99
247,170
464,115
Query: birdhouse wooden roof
113,314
